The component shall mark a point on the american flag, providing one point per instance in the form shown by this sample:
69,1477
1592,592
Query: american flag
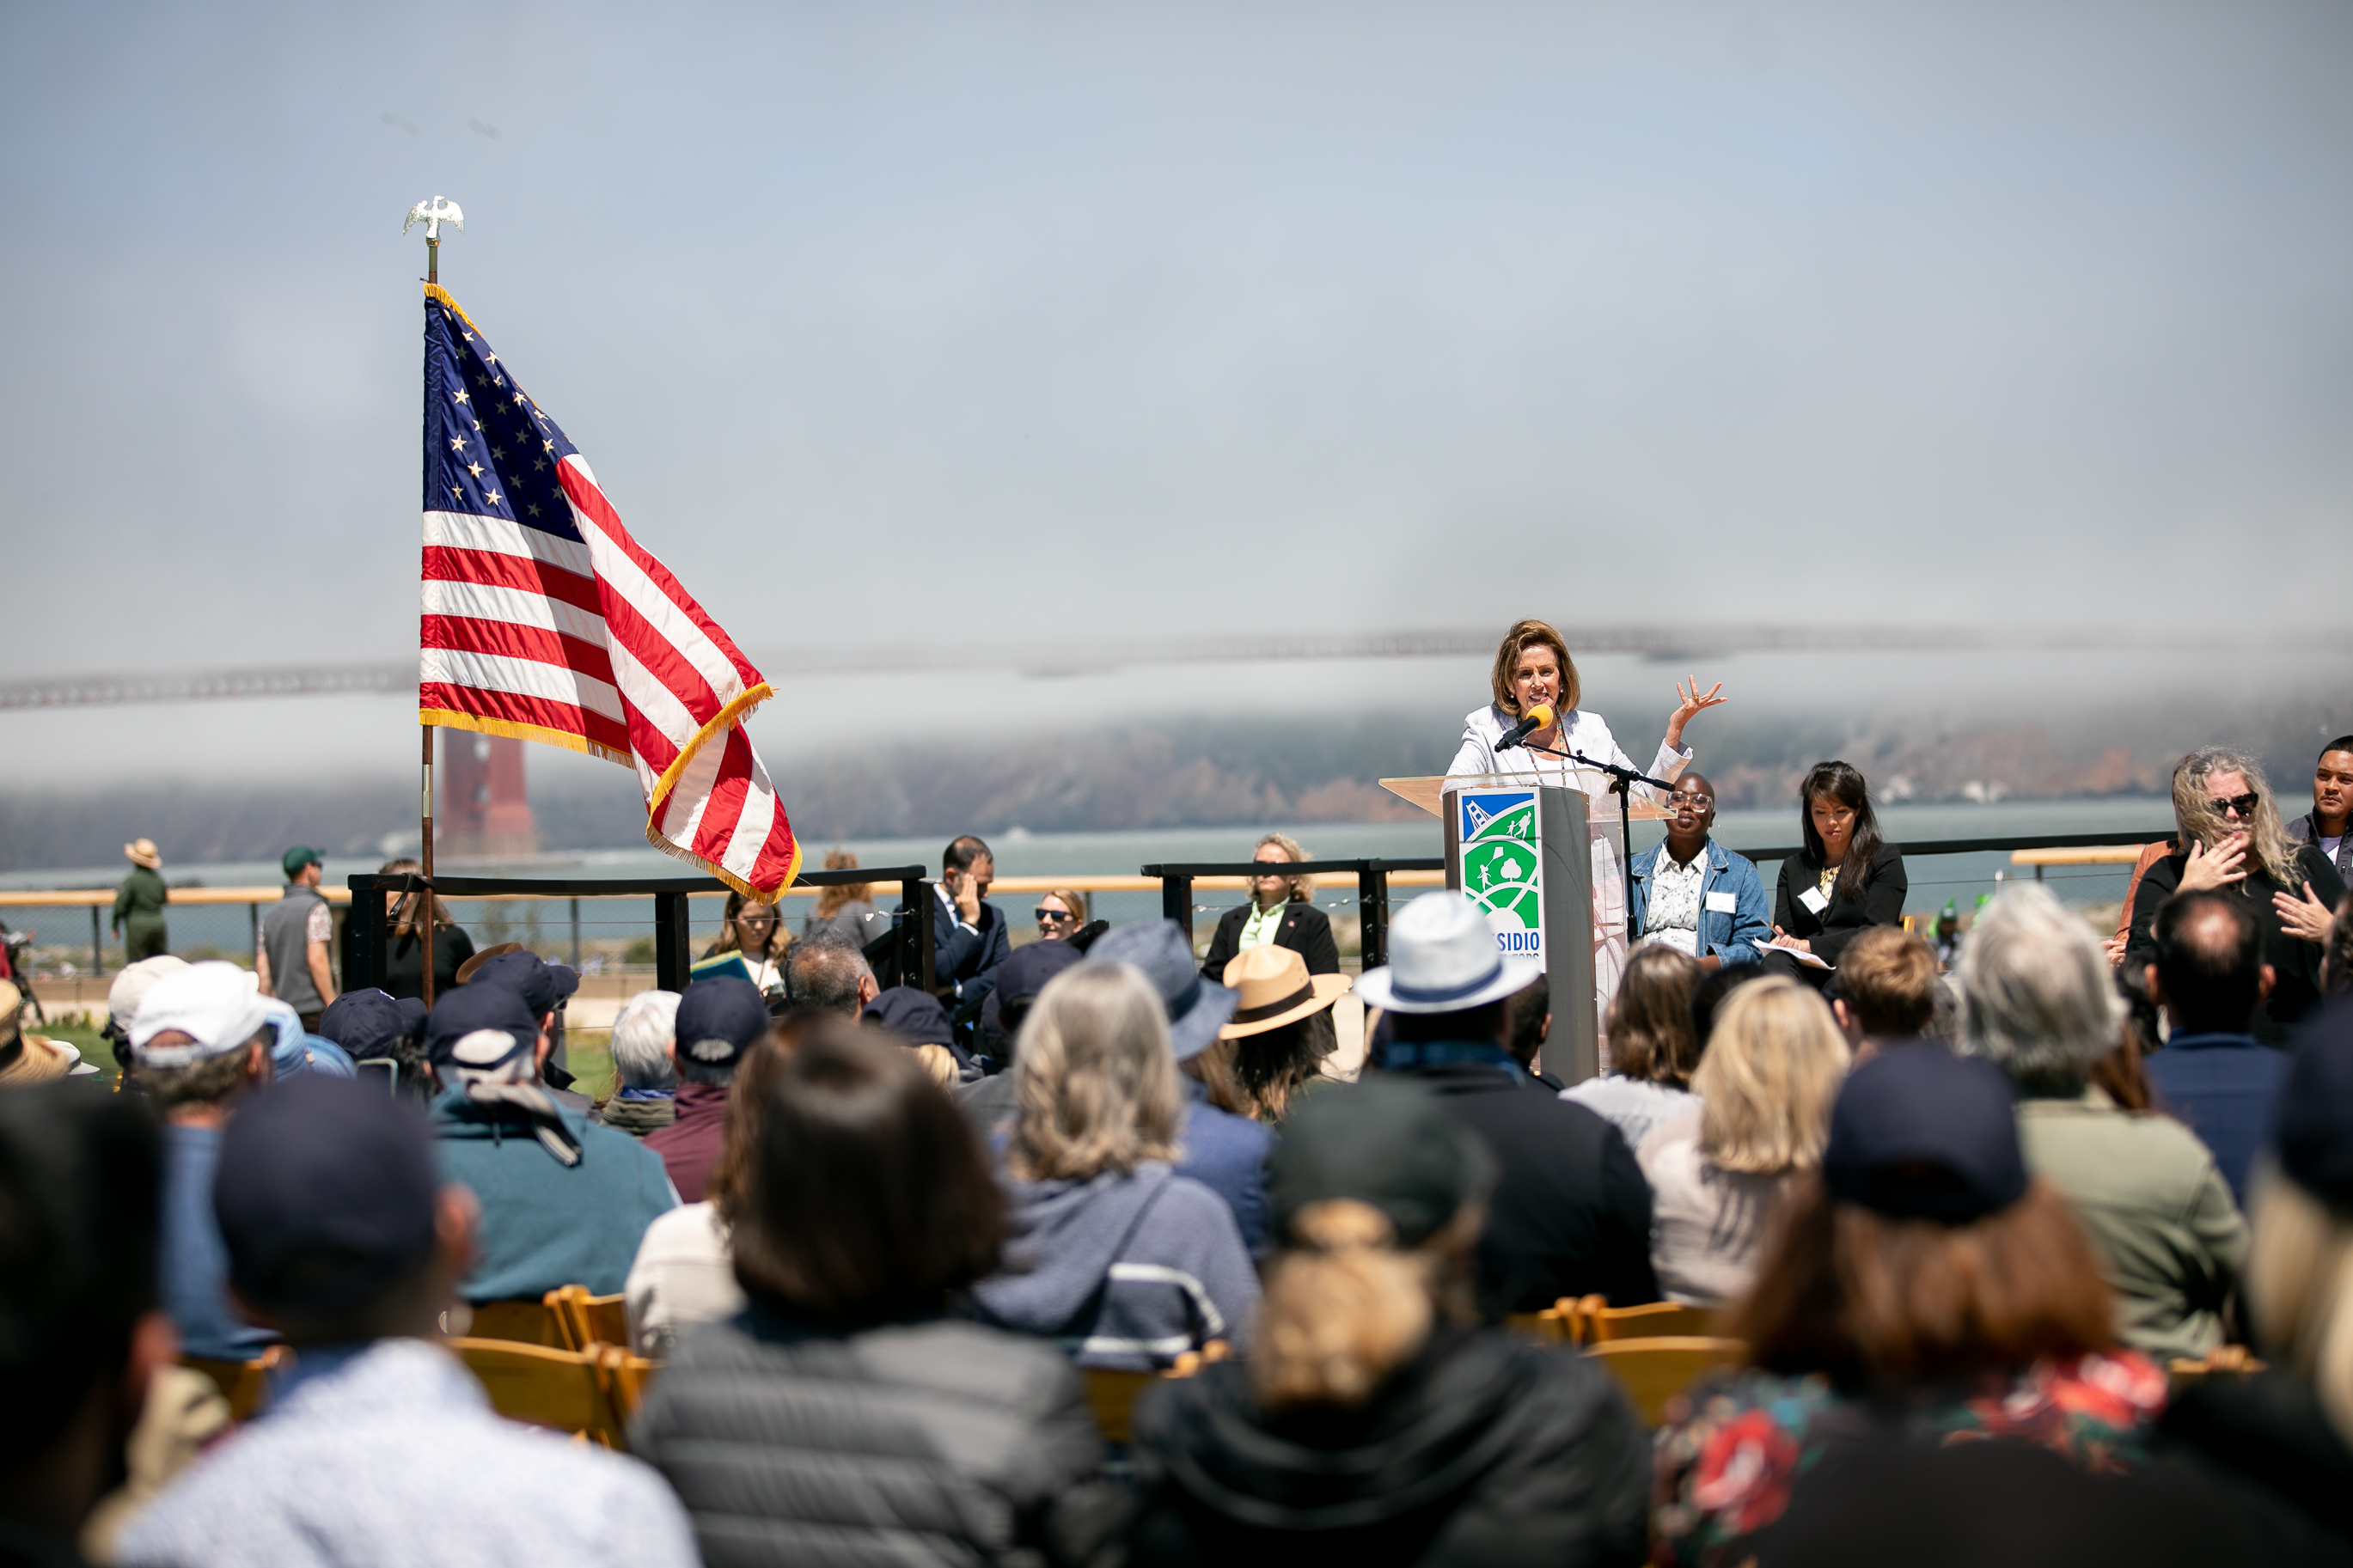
544,619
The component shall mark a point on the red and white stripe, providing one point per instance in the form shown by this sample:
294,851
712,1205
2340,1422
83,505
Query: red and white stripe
592,644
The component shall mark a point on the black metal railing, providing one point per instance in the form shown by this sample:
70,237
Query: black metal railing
1372,876
1372,890
369,929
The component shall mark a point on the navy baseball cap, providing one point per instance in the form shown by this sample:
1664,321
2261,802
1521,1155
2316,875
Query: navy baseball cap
1921,1133
538,983
471,1010
324,1193
2315,1110
718,1019
913,1014
369,1024
1382,1141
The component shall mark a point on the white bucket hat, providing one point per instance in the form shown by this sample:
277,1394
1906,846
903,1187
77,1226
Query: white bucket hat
1442,959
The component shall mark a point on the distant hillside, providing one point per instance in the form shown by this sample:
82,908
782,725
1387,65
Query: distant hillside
1180,774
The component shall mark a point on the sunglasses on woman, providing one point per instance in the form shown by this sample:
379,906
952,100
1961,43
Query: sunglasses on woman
1046,916
2244,804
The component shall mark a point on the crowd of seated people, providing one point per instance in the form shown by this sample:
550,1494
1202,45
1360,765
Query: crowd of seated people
1984,1252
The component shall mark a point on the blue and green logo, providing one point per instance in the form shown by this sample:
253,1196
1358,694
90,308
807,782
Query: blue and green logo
1499,866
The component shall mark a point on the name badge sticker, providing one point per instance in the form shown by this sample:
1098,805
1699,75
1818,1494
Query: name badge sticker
1721,904
1815,900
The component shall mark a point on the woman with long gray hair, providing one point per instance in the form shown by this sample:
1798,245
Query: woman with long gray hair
1121,1260
2232,841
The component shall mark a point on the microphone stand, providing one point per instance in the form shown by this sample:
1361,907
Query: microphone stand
1621,783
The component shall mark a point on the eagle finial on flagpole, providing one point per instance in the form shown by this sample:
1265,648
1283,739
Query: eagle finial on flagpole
433,214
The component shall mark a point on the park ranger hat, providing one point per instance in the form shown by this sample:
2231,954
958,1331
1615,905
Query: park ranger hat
1444,959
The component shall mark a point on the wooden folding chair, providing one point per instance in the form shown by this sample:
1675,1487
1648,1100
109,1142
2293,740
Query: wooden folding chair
1654,1371
626,1379
1112,1393
543,1387
583,1320
2223,1361
1559,1323
241,1382
540,1322
1603,1323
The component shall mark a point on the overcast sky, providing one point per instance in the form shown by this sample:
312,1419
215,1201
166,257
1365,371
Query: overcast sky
1067,323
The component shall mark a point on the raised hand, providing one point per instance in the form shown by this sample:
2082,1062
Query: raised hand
1689,706
2218,869
2306,917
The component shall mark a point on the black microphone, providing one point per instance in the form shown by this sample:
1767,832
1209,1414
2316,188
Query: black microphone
1538,717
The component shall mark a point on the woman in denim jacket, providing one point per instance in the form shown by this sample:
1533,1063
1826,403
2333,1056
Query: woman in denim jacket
1704,900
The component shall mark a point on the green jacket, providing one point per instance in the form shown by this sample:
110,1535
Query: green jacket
139,903
2158,1212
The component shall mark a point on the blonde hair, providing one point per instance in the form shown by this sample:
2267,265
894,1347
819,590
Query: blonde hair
1095,1078
1772,1068
1523,635
1344,1307
1301,886
2268,847
2299,1284
1072,901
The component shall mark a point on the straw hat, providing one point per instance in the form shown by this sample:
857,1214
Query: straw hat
1276,989
143,852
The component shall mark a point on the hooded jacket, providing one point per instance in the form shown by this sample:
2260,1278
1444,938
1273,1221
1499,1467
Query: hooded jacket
1484,1449
1124,1270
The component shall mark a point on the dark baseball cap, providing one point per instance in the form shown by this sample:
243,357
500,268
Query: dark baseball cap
915,1016
718,1019
1021,977
1920,1133
301,855
1384,1142
2314,1130
472,1009
324,1193
367,1023
539,983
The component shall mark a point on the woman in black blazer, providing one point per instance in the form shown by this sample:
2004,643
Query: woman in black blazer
1844,883
1300,926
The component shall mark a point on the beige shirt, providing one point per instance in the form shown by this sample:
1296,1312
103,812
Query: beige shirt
1706,1225
685,1275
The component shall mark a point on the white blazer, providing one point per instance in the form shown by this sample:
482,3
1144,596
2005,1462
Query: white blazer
1588,732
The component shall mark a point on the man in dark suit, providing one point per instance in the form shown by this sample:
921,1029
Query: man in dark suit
1274,915
969,936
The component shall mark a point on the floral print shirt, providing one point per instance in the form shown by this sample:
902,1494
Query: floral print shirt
1731,1451
1671,915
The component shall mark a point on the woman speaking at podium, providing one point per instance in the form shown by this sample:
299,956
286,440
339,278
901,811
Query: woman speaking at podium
1532,669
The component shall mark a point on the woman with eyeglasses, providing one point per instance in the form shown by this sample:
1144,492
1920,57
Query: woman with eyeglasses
755,931
1061,915
2237,844
1692,894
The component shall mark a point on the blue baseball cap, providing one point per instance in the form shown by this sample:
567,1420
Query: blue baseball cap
368,1023
913,1014
470,1011
324,1193
538,983
1920,1133
718,1019
2314,1127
